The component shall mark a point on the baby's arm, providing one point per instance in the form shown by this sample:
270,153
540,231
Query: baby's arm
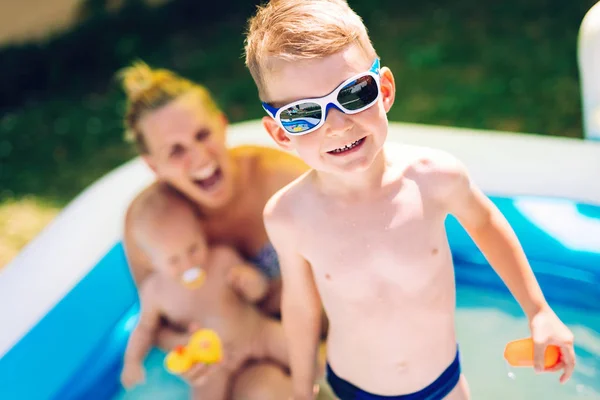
141,339
301,304
495,238
248,282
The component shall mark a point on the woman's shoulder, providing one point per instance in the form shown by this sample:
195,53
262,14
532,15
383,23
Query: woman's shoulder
264,154
276,167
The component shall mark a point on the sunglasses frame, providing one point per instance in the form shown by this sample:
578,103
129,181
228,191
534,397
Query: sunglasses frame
327,101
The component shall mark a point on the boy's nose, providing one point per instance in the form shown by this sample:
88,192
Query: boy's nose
336,122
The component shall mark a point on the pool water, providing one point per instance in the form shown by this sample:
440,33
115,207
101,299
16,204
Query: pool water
159,384
486,321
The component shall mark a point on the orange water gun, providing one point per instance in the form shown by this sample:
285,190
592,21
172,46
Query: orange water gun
519,353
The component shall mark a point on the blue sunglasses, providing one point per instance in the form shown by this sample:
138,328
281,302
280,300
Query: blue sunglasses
354,95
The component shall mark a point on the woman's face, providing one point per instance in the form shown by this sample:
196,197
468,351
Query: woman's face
186,148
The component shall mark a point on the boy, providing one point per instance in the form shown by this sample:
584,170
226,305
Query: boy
195,285
363,231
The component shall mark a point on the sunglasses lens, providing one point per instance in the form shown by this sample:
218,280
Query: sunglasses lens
301,117
359,93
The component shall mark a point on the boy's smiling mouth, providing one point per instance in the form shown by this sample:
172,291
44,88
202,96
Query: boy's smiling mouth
350,147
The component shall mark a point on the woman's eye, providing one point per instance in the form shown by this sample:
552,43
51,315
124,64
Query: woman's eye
202,134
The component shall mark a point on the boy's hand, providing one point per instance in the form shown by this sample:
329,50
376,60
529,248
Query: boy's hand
133,374
248,282
548,329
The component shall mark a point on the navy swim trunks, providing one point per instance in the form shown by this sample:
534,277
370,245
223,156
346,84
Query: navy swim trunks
437,390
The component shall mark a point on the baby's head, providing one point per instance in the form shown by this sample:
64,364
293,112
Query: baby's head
170,232
298,50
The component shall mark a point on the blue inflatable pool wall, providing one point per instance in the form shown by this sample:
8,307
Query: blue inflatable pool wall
75,351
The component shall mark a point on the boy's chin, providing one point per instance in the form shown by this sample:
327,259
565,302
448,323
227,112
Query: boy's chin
355,165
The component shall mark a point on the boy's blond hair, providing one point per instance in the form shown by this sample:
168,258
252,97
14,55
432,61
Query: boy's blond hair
148,89
291,30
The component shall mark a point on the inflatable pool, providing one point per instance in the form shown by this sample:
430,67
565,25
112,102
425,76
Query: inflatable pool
68,304
67,301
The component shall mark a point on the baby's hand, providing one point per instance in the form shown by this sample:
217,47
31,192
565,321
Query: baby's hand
133,374
547,329
249,282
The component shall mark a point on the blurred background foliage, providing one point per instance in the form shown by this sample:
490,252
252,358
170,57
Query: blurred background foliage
508,65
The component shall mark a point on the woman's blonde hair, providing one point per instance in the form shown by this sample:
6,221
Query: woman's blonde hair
148,89
291,30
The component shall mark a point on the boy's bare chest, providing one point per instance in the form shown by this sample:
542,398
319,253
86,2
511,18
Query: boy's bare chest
379,245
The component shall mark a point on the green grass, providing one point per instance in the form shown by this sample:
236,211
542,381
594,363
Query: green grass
504,66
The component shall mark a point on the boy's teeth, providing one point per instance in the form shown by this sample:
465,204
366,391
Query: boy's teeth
346,147
205,172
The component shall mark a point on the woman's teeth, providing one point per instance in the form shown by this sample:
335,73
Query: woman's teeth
207,177
347,147
205,172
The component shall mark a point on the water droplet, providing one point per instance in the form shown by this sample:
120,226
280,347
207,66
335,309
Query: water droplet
509,372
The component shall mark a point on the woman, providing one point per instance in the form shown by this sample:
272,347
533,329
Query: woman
180,133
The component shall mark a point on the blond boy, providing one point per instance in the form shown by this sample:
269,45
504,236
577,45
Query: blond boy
363,231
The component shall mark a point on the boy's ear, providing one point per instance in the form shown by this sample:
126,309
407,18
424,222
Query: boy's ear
388,88
277,133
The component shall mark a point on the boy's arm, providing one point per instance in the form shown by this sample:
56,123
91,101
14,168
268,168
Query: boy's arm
248,282
301,305
492,233
142,338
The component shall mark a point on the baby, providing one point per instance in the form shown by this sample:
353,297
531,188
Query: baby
194,284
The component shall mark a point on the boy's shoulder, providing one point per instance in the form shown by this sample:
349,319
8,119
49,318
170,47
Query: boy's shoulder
283,204
435,170
423,160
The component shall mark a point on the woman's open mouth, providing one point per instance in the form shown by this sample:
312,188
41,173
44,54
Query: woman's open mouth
208,178
349,148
